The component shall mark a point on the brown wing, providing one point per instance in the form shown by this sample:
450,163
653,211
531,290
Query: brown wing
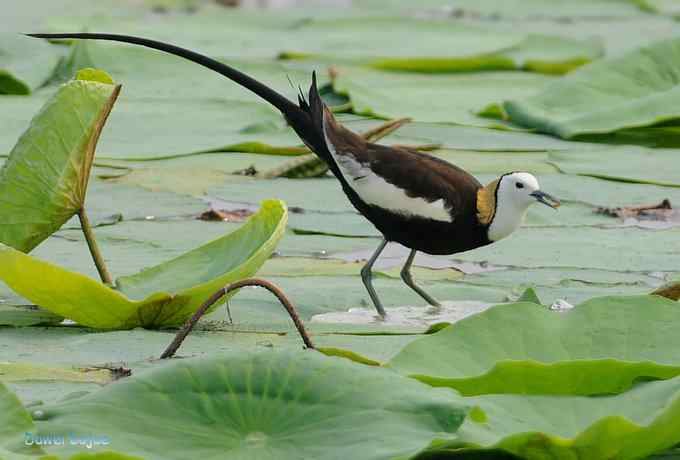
419,175
425,176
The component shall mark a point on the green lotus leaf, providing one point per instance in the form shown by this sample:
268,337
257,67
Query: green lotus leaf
450,98
637,89
24,64
604,345
266,405
164,295
632,425
44,181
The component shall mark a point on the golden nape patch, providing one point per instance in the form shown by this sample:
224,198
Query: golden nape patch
486,202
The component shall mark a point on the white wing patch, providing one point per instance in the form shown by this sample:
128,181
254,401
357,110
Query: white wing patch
375,190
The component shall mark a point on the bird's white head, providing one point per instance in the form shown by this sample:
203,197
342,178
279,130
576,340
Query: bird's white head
513,193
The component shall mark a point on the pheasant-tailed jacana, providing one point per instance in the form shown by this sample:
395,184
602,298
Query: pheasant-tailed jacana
412,198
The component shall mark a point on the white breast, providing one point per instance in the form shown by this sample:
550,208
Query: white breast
505,221
376,191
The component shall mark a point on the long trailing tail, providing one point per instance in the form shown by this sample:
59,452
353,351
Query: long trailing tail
298,116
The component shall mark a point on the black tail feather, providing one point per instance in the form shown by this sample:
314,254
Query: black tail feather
266,93
316,106
298,116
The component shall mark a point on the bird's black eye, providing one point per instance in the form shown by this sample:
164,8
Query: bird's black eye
519,185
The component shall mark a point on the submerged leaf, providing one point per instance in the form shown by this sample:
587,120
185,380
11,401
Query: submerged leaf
625,164
602,346
18,372
267,405
44,181
26,315
164,295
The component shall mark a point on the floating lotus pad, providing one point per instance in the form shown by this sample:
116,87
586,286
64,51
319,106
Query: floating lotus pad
434,98
266,405
285,405
604,345
637,89
632,425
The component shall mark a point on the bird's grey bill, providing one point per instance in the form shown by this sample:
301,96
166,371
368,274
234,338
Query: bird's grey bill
546,199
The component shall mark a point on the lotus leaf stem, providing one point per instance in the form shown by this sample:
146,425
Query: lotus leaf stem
104,273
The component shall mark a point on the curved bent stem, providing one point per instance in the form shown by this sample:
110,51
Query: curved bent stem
191,322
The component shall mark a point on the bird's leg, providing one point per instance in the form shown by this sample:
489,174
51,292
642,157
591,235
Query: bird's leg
408,279
367,278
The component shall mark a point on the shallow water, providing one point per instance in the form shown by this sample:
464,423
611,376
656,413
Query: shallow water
449,312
